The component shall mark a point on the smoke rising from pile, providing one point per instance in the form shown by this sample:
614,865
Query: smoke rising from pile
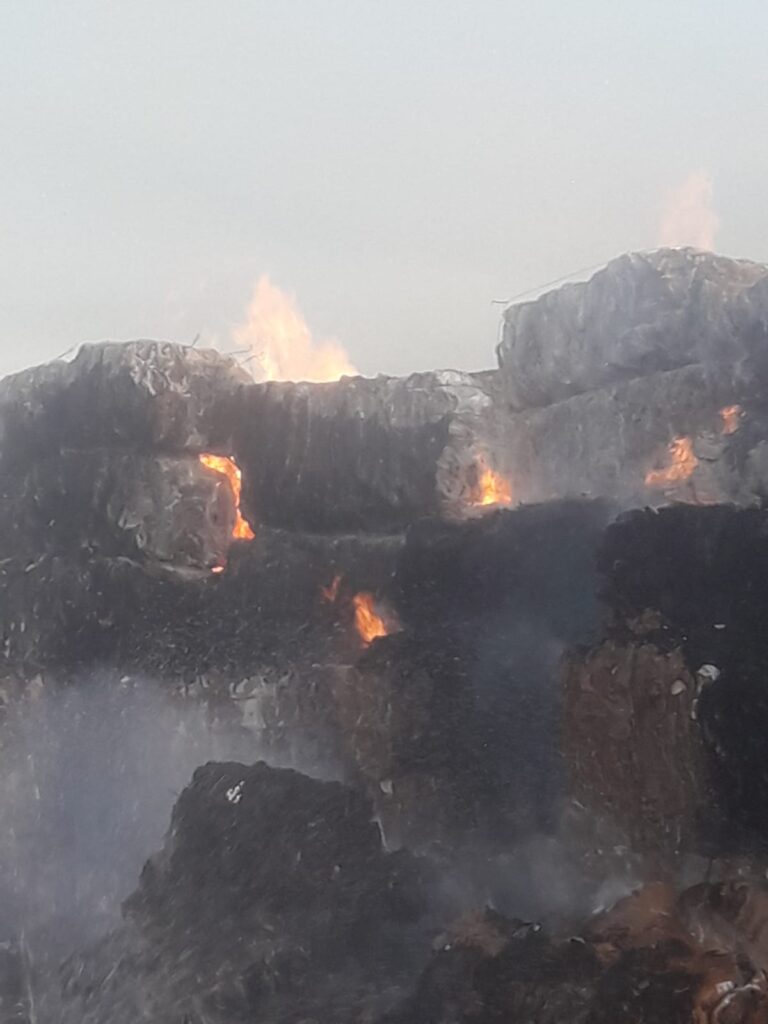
689,217
90,774
282,344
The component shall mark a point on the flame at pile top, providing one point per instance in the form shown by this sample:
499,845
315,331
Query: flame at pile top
282,345
368,622
730,416
491,489
229,469
683,461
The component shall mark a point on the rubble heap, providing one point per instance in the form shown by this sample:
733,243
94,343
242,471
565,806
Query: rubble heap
420,587
271,899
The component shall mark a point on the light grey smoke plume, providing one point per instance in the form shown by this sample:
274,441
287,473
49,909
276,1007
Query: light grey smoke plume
90,775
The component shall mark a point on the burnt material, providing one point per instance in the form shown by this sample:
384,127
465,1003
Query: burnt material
665,723
633,747
536,562
272,900
140,396
362,454
642,313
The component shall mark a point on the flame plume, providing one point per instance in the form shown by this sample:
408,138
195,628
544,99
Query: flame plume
682,463
228,468
689,218
281,343
368,623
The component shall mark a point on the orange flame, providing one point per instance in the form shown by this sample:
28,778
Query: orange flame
368,623
491,489
689,218
282,344
228,468
683,461
331,592
730,416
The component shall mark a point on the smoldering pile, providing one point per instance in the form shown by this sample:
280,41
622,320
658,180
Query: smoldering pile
511,697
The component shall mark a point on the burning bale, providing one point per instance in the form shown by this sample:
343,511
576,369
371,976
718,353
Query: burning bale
371,619
371,455
618,386
452,722
228,468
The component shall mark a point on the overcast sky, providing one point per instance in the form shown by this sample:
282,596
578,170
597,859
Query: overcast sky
396,165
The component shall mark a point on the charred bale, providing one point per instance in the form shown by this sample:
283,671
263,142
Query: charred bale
453,722
633,747
272,899
489,969
149,508
643,313
536,562
141,396
683,673
363,454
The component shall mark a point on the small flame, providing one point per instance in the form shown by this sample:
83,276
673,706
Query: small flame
682,463
282,344
368,623
730,416
331,592
491,489
218,568
229,469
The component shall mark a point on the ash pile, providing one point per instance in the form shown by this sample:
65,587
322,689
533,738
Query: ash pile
473,665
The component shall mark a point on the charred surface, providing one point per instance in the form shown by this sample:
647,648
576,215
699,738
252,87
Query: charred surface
677,695
272,900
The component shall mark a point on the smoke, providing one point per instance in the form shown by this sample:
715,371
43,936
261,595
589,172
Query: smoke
281,343
90,775
689,217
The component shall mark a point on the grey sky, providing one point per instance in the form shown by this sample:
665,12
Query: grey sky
395,164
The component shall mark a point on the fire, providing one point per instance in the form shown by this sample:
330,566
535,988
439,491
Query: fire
227,468
368,622
491,489
730,416
689,218
331,592
683,461
281,343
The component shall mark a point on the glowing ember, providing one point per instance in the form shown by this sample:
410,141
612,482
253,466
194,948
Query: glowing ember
218,568
282,345
331,592
227,468
368,623
491,489
682,462
730,416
